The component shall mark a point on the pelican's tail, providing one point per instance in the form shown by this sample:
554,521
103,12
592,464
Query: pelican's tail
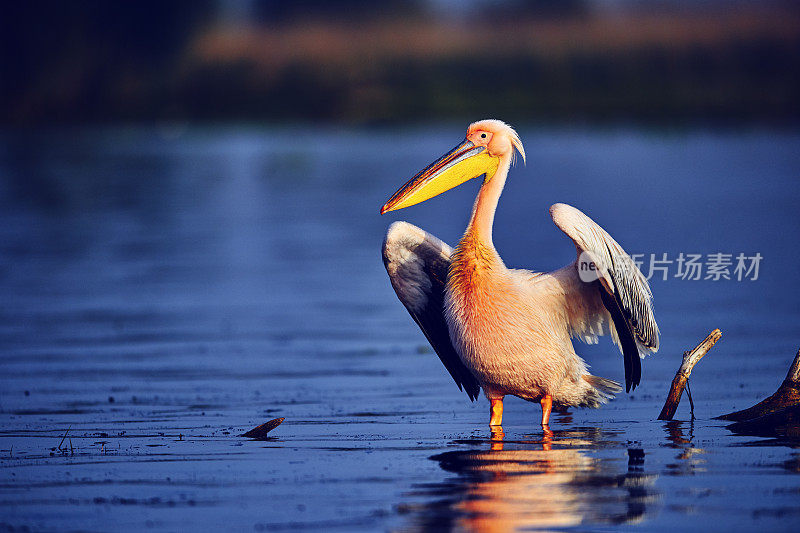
599,391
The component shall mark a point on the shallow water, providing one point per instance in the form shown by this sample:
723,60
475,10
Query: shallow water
165,290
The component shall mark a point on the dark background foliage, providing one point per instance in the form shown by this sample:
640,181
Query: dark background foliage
360,62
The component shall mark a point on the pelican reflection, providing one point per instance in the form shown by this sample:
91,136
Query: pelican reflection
553,481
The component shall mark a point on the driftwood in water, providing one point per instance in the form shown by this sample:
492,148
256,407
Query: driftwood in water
784,422
690,359
787,396
260,432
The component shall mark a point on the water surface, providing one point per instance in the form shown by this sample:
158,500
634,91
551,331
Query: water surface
164,290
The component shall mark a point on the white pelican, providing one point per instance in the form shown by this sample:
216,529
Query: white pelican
509,331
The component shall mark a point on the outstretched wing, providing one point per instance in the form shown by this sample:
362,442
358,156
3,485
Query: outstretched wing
622,288
417,263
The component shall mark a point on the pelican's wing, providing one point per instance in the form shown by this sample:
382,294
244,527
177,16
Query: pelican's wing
417,263
622,287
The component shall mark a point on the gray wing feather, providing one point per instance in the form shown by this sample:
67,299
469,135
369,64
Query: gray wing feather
627,297
417,264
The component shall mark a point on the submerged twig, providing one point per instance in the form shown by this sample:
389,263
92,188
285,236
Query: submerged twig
690,359
787,395
63,438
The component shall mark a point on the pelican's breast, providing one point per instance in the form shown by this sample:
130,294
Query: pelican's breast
480,305
508,326
475,284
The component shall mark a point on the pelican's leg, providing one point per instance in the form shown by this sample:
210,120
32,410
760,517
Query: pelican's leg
547,438
497,438
496,412
547,406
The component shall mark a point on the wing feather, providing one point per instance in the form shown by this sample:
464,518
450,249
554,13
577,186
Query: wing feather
623,289
417,264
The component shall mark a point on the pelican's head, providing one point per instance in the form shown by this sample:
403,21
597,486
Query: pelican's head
488,142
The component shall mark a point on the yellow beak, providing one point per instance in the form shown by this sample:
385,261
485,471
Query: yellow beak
462,163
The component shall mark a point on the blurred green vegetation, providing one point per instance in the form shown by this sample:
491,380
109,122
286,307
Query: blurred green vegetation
82,61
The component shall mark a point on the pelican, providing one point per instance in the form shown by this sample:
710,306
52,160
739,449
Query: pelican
509,331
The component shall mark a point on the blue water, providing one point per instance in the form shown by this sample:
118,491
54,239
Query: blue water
164,289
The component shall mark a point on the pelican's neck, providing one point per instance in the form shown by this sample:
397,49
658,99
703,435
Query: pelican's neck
480,225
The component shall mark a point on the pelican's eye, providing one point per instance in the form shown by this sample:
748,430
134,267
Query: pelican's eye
481,138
